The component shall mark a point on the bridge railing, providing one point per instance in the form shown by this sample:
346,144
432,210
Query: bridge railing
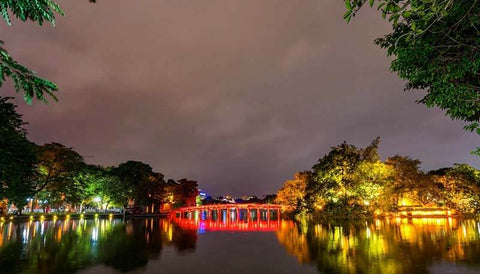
229,212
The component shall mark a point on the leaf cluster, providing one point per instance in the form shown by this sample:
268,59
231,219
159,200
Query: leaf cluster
35,10
351,181
17,161
436,46
24,79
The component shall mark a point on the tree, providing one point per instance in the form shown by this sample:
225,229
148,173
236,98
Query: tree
17,157
101,182
133,175
407,174
26,80
187,192
411,186
154,191
292,194
140,182
332,176
58,167
168,193
349,180
373,179
461,185
436,45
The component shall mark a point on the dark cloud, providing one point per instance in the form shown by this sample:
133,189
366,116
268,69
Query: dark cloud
236,94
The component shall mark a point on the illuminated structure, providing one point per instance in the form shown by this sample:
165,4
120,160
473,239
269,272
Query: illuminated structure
229,217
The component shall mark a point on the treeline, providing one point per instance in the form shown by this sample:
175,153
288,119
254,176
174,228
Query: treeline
351,181
53,175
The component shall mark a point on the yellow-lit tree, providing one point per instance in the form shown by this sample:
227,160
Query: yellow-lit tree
293,191
461,187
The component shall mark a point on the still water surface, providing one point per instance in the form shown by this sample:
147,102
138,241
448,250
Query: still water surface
161,246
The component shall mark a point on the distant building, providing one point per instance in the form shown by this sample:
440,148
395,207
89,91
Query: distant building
226,199
249,198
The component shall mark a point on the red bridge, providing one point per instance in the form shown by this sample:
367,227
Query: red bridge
229,217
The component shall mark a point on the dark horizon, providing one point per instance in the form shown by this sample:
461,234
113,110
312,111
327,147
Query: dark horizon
237,95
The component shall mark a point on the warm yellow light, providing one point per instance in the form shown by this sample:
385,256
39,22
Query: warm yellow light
68,216
96,215
11,217
54,216
31,217
429,213
81,216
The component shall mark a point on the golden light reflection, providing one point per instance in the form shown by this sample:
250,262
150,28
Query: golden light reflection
294,241
59,234
9,233
1,234
382,246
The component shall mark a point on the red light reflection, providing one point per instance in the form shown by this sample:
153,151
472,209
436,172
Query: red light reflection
212,225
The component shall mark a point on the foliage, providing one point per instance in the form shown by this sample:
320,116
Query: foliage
56,175
101,182
336,183
17,161
436,45
149,189
134,176
34,10
462,187
26,80
186,193
292,194
332,175
58,166
373,181
353,182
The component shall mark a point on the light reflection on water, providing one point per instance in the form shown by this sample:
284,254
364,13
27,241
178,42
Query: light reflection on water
384,246
377,246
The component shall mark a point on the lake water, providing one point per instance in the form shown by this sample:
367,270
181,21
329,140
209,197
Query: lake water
162,246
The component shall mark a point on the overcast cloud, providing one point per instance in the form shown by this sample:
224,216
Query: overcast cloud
237,95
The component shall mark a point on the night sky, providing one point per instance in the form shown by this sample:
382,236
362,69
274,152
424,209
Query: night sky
238,95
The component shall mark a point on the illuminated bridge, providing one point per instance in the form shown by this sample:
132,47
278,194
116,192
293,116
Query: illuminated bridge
229,217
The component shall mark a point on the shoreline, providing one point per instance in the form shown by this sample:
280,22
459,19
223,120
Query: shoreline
77,216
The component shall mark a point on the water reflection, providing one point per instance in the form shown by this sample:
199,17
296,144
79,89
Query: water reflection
378,246
384,246
202,226
66,246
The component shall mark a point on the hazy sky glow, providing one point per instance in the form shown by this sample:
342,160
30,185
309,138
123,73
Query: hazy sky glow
237,95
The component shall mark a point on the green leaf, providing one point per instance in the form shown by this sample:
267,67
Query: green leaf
348,5
347,16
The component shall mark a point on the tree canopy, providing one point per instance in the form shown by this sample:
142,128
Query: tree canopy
436,47
58,166
351,181
24,79
17,161
292,193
